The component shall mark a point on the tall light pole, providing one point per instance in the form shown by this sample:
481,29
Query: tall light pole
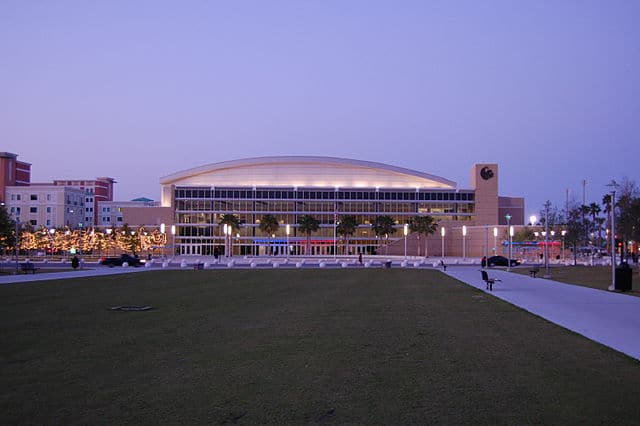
173,240
442,233
508,217
288,229
510,244
614,186
164,237
546,238
495,240
226,237
464,242
52,231
406,231
563,233
17,242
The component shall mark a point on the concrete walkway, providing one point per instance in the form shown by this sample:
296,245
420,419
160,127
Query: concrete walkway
610,318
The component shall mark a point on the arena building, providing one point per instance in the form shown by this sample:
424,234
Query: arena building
329,188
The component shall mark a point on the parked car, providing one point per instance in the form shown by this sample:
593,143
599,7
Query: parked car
118,261
500,261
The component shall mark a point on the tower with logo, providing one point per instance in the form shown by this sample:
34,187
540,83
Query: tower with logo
484,180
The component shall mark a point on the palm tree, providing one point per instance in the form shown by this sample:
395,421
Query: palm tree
269,225
423,225
347,227
594,210
308,225
383,225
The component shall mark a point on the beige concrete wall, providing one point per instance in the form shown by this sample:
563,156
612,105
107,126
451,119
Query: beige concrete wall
147,216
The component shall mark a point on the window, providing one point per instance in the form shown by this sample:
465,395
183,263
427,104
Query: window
119,219
33,222
48,197
48,209
33,210
34,197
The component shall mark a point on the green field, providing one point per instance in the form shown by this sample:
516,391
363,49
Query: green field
598,277
297,346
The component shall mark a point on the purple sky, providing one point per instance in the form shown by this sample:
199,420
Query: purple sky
137,90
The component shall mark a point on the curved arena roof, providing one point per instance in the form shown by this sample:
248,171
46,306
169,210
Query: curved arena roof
305,171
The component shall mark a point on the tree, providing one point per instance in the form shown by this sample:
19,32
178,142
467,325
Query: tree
523,234
575,229
269,225
628,211
7,229
308,225
594,211
231,220
383,225
347,227
425,226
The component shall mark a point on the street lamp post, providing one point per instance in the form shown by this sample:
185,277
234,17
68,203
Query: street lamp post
173,240
510,244
495,240
546,239
17,243
508,217
288,229
464,242
406,231
162,231
563,233
52,231
442,233
614,185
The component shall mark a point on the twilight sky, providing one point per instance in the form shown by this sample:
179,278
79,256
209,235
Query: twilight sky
135,90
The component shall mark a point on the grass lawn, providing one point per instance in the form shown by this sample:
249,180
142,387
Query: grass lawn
296,346
598,277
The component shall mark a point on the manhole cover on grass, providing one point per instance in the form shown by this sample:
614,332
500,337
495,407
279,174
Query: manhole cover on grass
131,308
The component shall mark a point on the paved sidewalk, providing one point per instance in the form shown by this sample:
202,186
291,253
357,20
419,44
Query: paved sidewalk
66,275
610,318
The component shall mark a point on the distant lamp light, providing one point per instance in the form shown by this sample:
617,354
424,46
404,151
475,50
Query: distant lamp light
442,231
511,233
533,219
464,230
162,228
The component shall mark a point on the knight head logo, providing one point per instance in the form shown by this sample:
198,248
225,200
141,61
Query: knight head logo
486,173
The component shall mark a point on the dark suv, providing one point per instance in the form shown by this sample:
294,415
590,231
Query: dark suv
118,261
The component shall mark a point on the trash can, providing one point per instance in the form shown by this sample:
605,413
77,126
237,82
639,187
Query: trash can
623,277
387,265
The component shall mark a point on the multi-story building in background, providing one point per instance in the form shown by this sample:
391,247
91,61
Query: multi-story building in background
98,190
46,205
12,172
137,212
60,203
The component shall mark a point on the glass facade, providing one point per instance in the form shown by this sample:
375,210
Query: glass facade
199,211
